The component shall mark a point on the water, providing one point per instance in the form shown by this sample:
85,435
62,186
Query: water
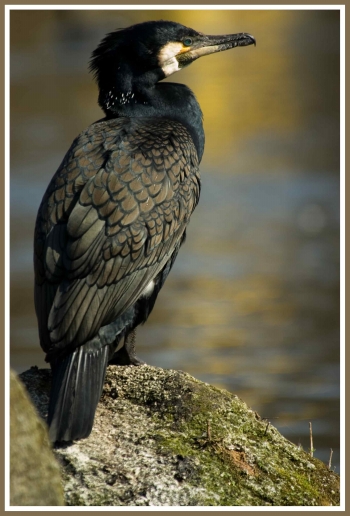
252,304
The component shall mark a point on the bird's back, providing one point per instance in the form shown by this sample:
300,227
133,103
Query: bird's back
110,220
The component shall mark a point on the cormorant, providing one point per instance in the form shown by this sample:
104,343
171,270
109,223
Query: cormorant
114,216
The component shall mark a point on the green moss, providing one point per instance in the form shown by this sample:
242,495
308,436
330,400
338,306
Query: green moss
243,460
169,439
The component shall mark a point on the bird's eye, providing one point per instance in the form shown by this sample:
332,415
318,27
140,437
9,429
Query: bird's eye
187,42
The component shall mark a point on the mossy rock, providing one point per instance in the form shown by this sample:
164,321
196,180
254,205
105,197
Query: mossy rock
163,438
35,478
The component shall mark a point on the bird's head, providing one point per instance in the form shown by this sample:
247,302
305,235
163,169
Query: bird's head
150,51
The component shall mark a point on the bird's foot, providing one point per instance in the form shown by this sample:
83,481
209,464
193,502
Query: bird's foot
126,355
123,357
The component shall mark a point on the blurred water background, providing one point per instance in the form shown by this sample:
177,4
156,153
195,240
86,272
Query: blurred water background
252,304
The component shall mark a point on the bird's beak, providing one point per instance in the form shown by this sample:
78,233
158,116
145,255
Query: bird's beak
211,44
175,55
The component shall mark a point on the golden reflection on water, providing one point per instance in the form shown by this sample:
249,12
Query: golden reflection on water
212,301
252,304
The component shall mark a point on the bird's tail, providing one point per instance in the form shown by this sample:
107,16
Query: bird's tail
77,382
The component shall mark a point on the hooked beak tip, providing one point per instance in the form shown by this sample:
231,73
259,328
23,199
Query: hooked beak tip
248,40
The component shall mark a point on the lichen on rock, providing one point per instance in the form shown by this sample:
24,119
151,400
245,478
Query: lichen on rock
163,438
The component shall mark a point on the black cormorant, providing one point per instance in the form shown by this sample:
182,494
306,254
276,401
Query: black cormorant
115,214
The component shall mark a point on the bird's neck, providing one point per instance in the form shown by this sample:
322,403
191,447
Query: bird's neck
162,100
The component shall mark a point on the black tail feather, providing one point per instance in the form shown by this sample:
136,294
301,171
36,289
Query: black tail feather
77,382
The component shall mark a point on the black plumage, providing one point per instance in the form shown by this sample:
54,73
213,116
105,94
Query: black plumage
115,214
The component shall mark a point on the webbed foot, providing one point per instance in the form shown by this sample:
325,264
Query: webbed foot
126,355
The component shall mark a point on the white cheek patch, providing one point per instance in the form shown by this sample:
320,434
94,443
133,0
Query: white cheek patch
171,67
169,51
167,58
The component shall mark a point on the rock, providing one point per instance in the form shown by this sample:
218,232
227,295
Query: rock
35,477
163,438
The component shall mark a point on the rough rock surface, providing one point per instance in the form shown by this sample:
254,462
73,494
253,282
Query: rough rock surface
34,472
162,438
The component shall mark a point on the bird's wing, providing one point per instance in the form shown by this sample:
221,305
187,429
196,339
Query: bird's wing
122,227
